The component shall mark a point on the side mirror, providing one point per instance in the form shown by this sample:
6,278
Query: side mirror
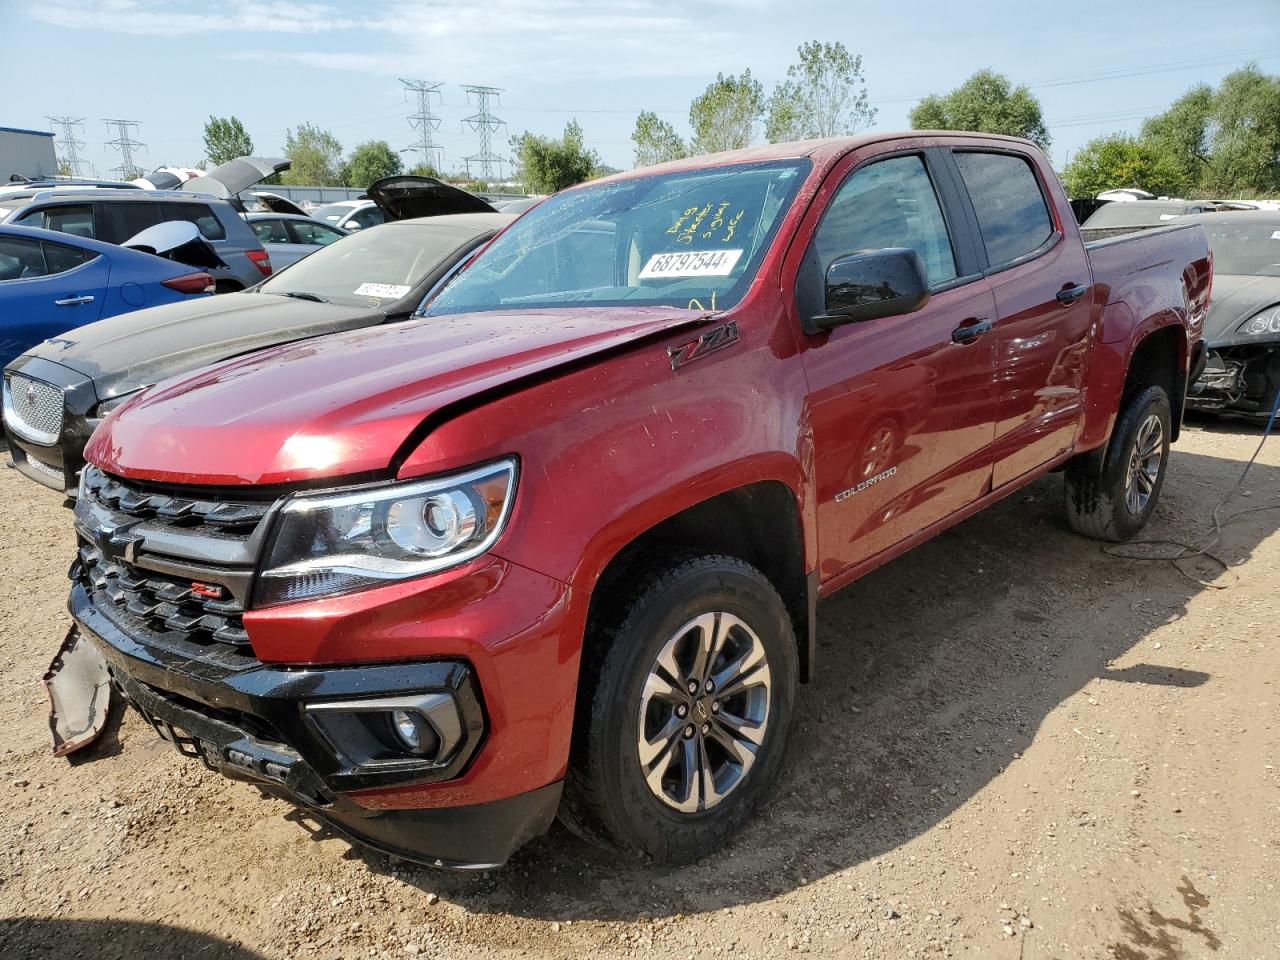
872,284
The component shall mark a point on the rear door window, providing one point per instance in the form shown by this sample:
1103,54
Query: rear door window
311,232
200,214
76,220
1011,209
270,231
121,221
59,258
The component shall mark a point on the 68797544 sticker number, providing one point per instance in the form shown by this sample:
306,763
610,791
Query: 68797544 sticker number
693,263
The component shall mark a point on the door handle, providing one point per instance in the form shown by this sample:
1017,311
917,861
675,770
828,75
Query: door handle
73,301
1069,295
970,330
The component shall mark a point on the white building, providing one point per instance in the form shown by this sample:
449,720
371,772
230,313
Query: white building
26,153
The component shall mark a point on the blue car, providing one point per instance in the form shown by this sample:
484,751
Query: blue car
52,281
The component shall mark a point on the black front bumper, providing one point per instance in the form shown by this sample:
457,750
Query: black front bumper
247,721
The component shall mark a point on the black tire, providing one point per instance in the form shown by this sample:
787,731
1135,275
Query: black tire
607,799
1097,502
227,286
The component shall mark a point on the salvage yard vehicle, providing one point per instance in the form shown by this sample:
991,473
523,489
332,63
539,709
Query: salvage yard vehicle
289,238
556,547
114,216
379,276
51,283
1116,218
1242,330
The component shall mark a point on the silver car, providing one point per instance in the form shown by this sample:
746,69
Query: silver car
289,238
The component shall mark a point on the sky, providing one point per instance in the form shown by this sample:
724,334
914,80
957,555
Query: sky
1097,66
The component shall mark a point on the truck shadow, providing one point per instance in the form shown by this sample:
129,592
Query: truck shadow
933,675
27,938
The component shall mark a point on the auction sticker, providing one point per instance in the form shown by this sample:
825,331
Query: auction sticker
391,291
691,263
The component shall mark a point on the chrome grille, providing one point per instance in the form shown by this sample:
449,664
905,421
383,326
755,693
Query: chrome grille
33,409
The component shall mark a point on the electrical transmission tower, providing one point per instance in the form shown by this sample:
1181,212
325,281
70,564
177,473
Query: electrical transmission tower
128,170
425,122
486,125
69,145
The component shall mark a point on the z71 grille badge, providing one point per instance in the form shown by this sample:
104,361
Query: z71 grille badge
714,339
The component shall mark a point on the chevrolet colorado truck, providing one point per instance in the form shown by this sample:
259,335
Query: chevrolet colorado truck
555,548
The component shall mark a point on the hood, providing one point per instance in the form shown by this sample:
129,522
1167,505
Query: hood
228,179
344,404
278,204
138,349
1235,299
405,197
179,241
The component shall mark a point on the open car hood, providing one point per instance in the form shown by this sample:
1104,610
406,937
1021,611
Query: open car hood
228,179
405,197
345,404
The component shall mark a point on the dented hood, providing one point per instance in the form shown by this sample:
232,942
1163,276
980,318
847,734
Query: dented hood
344,404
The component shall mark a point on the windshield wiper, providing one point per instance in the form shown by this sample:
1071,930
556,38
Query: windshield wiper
303,295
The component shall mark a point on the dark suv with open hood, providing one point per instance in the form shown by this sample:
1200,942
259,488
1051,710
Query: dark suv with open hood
56,393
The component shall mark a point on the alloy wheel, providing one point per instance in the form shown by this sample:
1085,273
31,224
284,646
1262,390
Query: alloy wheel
1144,465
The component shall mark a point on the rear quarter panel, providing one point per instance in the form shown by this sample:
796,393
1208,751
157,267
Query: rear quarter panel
1144,282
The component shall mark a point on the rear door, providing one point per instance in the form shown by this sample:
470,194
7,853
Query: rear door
1041,280
46,288
902,413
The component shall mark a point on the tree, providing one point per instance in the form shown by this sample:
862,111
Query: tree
225,138
656,140
824,95
1244,151
1181,133
1119,160
724,117
316,156
986,102
423,170
548,165
369,162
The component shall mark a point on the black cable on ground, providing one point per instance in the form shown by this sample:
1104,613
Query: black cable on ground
1188,551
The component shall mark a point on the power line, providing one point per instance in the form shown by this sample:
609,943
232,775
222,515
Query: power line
484,123
69,146
128,170
425,122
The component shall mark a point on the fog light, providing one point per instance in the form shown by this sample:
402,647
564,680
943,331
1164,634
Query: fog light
408,729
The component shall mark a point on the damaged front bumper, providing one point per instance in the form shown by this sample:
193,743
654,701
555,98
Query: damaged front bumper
299,733
1238,379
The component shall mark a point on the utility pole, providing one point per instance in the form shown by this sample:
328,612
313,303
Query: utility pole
128,170
424,121
486,125
69,145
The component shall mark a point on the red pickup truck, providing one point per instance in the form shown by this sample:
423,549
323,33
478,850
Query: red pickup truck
555,548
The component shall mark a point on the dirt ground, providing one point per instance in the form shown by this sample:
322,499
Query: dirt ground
1017,747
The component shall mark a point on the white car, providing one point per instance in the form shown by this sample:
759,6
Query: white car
288,237
350,214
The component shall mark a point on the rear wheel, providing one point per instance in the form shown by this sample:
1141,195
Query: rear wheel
1116,503
685,715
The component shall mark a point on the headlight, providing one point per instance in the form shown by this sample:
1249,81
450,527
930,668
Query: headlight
336,543
106,406
1266,321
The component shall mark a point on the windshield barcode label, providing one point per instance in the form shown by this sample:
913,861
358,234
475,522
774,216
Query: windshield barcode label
707,263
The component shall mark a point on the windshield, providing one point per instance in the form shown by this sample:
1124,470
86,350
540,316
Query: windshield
333,213
1135,213
382,264
692,239
1246,247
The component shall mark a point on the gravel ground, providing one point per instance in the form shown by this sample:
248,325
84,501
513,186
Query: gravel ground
1017,747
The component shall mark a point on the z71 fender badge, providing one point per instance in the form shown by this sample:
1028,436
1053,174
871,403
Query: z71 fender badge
714,339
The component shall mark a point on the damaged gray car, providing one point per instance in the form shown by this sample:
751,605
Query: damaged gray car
1242,329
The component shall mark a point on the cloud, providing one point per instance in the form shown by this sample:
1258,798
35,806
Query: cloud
162,18
515,41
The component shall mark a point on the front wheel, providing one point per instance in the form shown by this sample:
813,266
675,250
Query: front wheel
1116,503
685,713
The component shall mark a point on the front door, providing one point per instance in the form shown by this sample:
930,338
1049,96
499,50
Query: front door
903,407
